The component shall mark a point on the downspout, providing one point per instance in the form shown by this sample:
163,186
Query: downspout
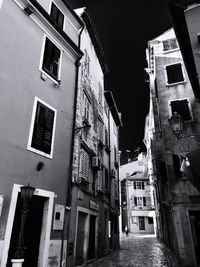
68,193
110,180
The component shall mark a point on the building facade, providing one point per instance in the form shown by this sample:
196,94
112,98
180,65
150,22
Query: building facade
93,228
171,94
39,55
137,208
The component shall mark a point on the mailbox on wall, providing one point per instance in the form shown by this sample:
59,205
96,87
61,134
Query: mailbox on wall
1,203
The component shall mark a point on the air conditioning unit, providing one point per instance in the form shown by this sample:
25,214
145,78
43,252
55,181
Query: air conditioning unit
96,163
113,173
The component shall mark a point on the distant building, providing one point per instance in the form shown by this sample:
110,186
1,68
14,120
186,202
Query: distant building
93,229
177,198
39,55
137,210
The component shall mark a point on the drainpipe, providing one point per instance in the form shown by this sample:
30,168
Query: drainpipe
68,194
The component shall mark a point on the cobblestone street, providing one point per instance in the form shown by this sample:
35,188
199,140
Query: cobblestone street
138,251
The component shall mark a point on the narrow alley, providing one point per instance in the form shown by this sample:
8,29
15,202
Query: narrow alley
139,251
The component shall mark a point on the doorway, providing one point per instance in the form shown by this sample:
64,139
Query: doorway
32,233
92,233
195,227
141,223
80,239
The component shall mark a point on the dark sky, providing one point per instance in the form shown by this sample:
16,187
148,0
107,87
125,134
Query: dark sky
124,28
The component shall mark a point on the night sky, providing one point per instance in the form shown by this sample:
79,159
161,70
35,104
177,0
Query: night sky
124,28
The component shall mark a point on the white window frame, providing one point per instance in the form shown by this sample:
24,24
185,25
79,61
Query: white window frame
49,11
170,50
29,147
179,99
166,77
42,57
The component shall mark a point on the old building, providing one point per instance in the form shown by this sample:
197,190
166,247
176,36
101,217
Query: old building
93,229
39,55
137,209
172,101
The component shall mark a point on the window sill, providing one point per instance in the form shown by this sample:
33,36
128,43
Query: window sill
50,156
170,51
45,75
173,84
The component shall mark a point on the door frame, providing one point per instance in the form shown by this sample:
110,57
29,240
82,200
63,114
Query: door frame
87,228
46,224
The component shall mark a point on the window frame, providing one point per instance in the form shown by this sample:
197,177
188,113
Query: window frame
86,106
170,50
166,76
29,147
56,81
181,99
50,9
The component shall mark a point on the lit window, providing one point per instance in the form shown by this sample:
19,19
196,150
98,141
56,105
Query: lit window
51,59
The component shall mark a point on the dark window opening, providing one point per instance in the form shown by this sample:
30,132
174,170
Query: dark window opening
150,220
51,59
43,128
182,108
177,166
174,73
57,216
57,15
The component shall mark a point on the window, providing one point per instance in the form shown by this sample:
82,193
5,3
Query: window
174,73
182,107
140,201
100,98
150,220
106,178
51,59
106,137
86,112
84,167
42,128
138,185
57,15
170,44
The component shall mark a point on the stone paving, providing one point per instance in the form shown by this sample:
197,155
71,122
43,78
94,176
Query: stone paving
138,251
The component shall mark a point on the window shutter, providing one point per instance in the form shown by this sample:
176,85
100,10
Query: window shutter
135,201
142,185
43,128
134,184
84,165
144,201
174,73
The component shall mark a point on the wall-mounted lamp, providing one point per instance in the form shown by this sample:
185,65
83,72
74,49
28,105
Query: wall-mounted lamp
86,127
176,124
40,165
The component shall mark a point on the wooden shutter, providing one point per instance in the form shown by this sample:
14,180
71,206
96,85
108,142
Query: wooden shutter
142,185
135,201
85,165
144,201
134,184
174,73
43,128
